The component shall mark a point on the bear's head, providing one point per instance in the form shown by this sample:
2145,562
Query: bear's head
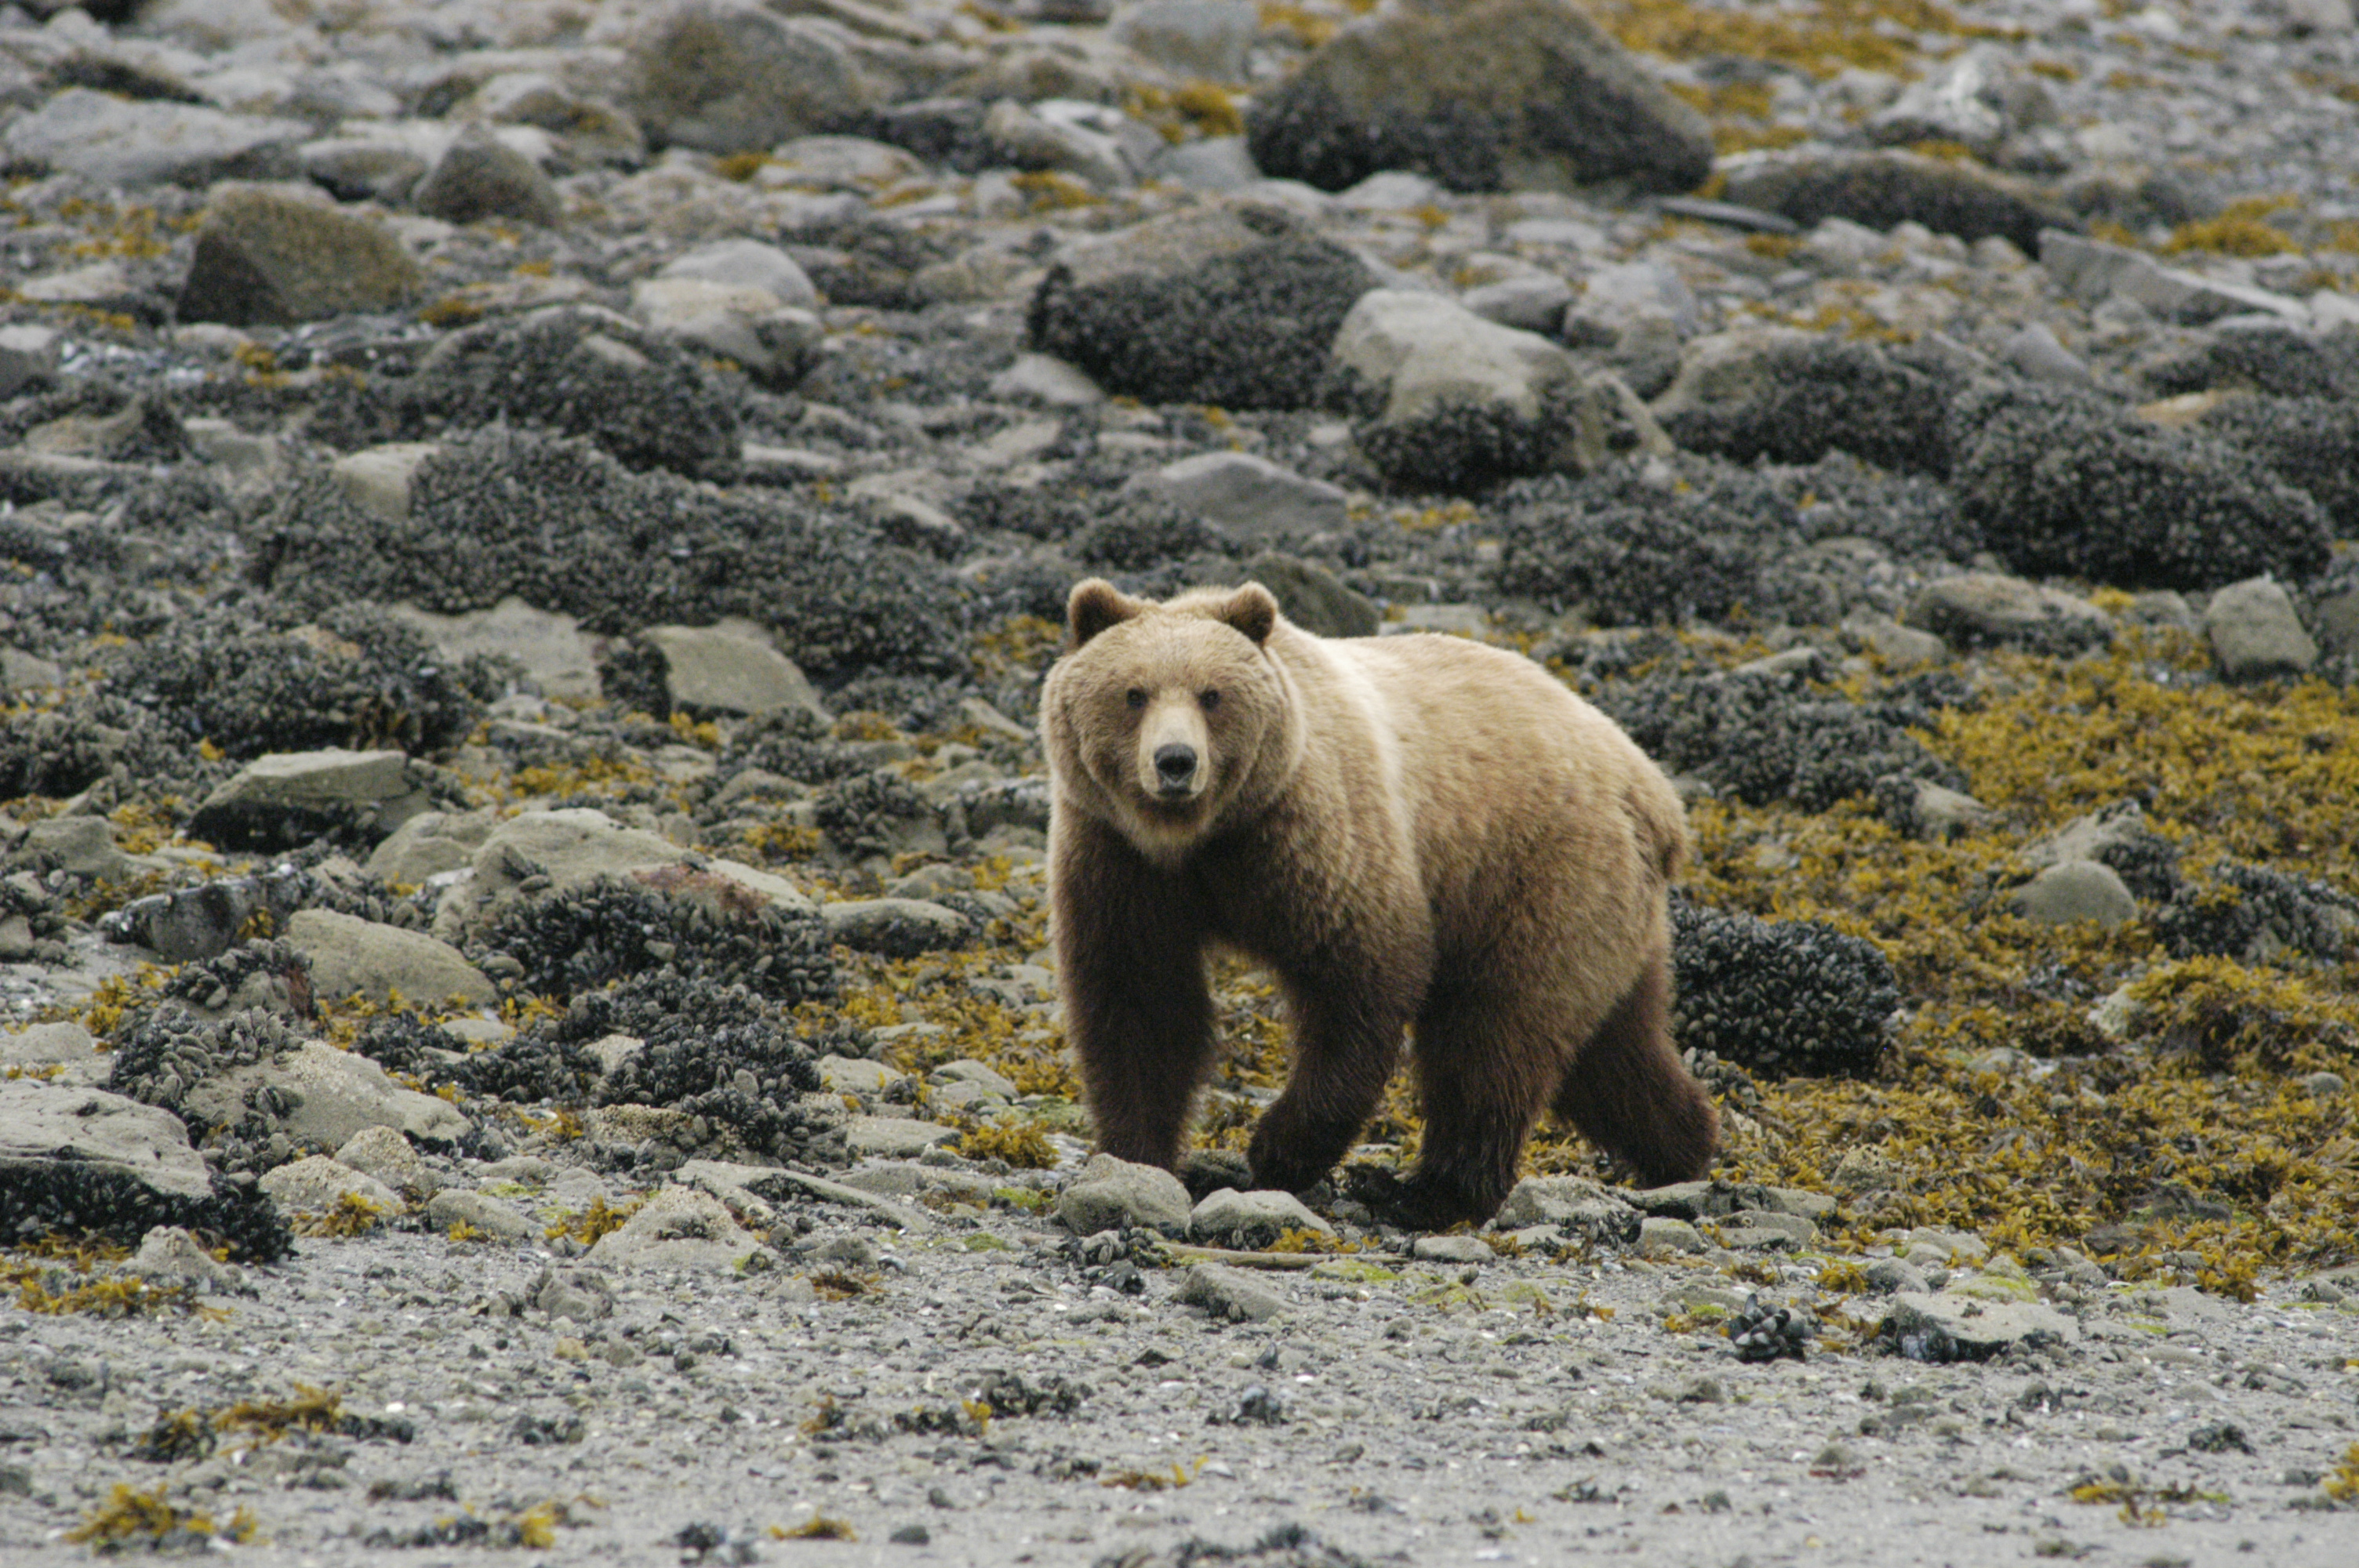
1169,720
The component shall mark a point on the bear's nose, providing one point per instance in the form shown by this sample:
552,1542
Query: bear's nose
1175,766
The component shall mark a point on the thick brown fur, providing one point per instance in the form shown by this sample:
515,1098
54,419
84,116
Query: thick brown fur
1412,830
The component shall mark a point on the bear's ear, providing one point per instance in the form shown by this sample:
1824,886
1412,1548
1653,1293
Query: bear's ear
1094,605
1251,610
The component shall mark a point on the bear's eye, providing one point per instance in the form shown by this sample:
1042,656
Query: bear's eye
1210,699
1135,697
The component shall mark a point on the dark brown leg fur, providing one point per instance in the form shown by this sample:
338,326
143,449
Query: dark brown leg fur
1344,1053
1628,1094
1130,955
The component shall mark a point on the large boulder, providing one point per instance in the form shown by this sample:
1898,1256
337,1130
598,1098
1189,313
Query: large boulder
1231,306
561,852
2065,483
1446,400
479,176
1772,392
325,1095
287,798
731,76
352,956
121,141
1480,95
263,258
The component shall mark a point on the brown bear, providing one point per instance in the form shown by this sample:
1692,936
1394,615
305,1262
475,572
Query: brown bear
1414,831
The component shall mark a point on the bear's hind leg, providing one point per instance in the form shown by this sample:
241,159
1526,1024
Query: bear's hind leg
1628,1094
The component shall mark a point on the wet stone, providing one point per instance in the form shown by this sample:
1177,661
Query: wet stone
1227,1294
1250,1221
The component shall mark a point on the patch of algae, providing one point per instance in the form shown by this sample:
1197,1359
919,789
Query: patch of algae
2187,1149
1825,39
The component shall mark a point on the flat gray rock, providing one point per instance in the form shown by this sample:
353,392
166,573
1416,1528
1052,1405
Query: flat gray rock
1250,1221
551,647
1314,598
1585,1205
457,1206
78,846
67,1045
1108,1193
336,1093
1231,1294
2073,890
287,798
133,142
2257,633
575,846
750,263
729,668
894,1137
898,927
1251,497
47,1130
1982,608
1459,1249
678,1228
351,956
1947,1327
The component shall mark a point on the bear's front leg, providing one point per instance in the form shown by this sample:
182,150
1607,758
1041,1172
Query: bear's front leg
1346,1043
1130,967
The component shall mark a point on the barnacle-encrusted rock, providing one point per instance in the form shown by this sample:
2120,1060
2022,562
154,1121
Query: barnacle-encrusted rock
539,853
2257,915
1478,93
1763,1333
285,799
1445,400
565,528
581,373
705,927
1231,306
2065,483
168,1051
355,676
2312,443
879,813
266,974
63,751
1781,997
43,1197
2280,361
1885,187
1625,551
1792,398
1951,1326
254,1089
1763,736
2116,836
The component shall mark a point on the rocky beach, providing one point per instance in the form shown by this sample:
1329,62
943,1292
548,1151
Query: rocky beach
533,532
